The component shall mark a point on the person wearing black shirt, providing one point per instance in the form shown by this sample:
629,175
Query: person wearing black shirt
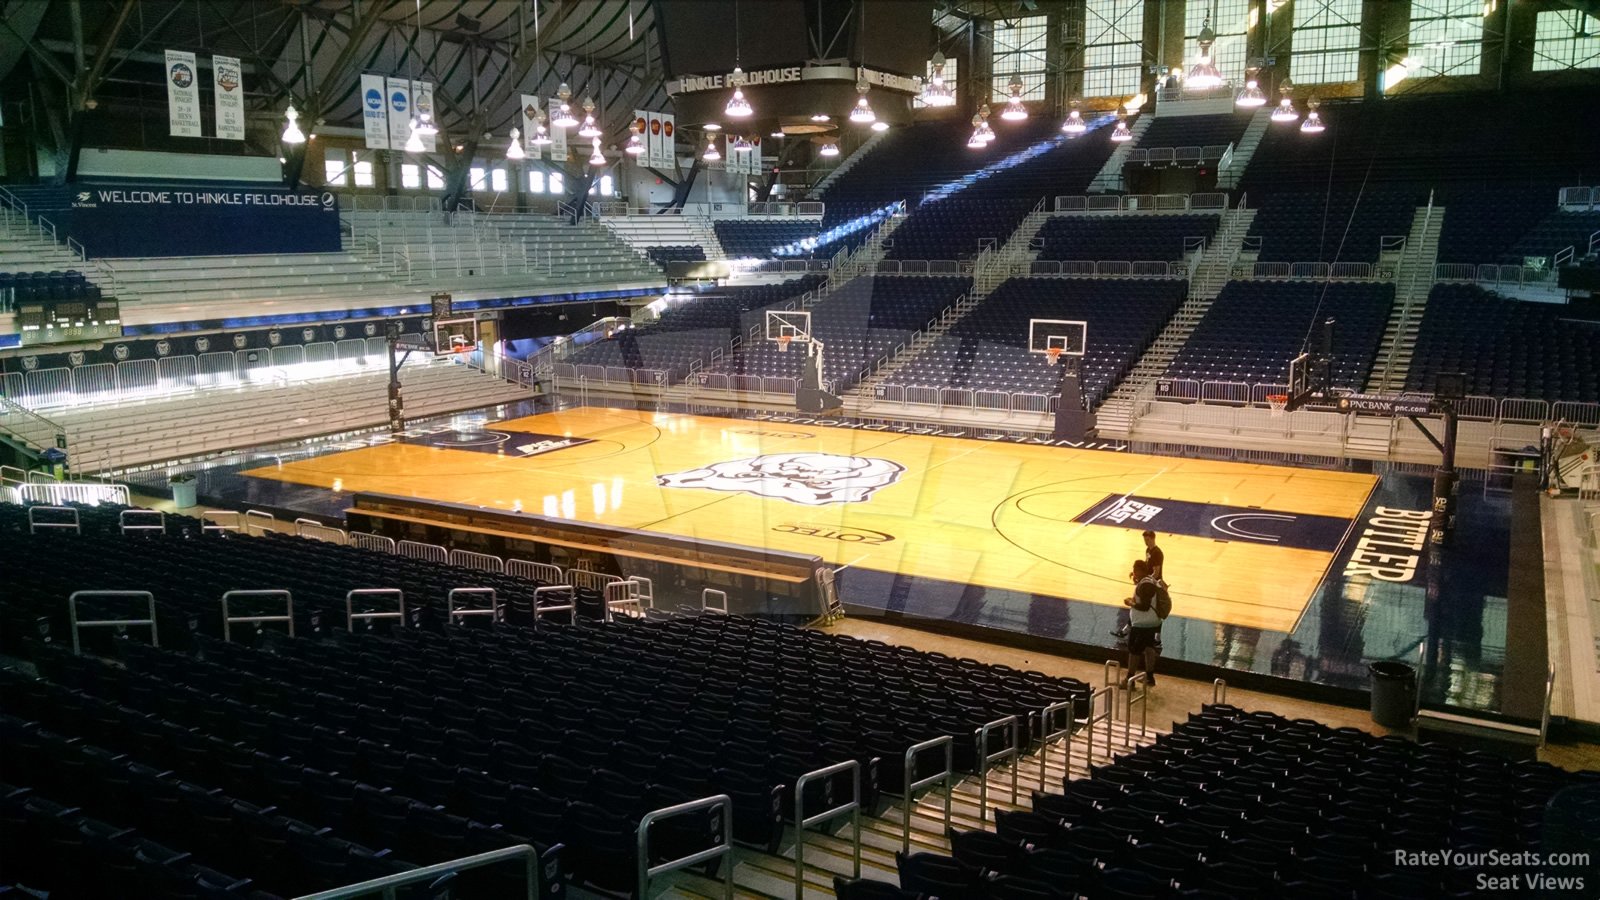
1145,623
1154,556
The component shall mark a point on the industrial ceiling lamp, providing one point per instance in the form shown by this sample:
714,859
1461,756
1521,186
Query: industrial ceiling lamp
597,158
635,145
821,117
1203,75
1121,134
738,107
291,130
1313,123
1015,111
829,149
1250,96
880,125
976,142
711,154
1074,125
414,142
561,116
936,93
541,135
514,150
1285,111
863,114
589,129
422,124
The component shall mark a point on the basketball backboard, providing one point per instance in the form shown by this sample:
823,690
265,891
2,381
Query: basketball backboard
1067,337
788,326
455,336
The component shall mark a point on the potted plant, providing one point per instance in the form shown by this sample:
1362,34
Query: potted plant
183,490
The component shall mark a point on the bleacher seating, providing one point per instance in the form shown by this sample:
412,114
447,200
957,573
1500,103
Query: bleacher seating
690,331
1506,348
645,231
859,323
30,286
118,433
198,280
667,253
987,349
1482,222
1236,804
956,228
1122,237
758,238
1557,231
1194,131
1345,226
1254,328
558,736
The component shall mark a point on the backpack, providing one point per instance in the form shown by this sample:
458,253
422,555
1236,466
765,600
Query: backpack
1163,601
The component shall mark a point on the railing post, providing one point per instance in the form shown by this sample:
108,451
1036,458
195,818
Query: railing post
802,821
913,785
76,623
646,872
228,620
985,758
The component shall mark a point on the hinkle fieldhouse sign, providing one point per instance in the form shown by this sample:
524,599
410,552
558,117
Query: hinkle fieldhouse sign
154,219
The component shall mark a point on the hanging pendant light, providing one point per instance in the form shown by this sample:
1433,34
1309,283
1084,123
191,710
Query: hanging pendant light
291,129
414,142
1251,96
880,125
561,116
1074,125
1015,111
1285,111
541,135
1313,123
597,158
589,129
830,149
738,107
821,117
514,150
711,154
976,141
1204,75
936,93
863,114
1121,134
635,145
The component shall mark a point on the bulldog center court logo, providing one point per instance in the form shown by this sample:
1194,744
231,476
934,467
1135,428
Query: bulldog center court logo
809,479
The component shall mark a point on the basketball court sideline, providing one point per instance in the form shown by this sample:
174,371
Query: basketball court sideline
1248,544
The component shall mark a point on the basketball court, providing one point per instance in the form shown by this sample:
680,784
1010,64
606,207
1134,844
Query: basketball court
1248,545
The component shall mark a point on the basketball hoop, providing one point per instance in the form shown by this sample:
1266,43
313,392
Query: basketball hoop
1279,404
783,343
1053,355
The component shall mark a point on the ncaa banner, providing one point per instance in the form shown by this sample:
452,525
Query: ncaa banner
530,124
423,98
558,136
669,145
374,112
227,82
398,97
183,95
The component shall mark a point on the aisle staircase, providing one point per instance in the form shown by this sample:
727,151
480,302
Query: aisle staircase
1245,149
1413,282
830,851
1109,179
1115,417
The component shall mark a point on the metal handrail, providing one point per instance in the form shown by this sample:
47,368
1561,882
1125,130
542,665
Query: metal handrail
985,759
388,883
76,623
1095,718
35,523
454,612
1046,735
1219,692
228,620
647,871
1549,696
947,777
571,606
802,821
1144,708
705,601
350,614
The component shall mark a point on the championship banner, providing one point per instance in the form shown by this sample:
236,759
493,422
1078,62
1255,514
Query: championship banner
558,136
755,155
424,102
530,124
641,126
398,97
374,112
652,140
183,95
227,83
669,145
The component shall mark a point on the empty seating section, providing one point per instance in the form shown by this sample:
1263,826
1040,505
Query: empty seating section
24,249
1557,232
212,420
1506,348
987,349
860,323
1141,237
1254,329
956,228
643,232
559,736
909,162
759,238
34,286
1194,131
1236,804
1345,226
691,331
665,253
1482,222
202,279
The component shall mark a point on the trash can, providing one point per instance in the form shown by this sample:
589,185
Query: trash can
184,494
1394,693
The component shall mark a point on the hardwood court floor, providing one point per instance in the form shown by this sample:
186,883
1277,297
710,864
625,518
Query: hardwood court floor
1245,544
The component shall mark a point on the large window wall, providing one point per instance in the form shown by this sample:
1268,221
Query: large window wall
1113,56
1326,42
1018,50
1230,24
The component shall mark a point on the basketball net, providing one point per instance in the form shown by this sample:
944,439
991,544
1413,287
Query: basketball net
1053,354
1279,403
783,343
